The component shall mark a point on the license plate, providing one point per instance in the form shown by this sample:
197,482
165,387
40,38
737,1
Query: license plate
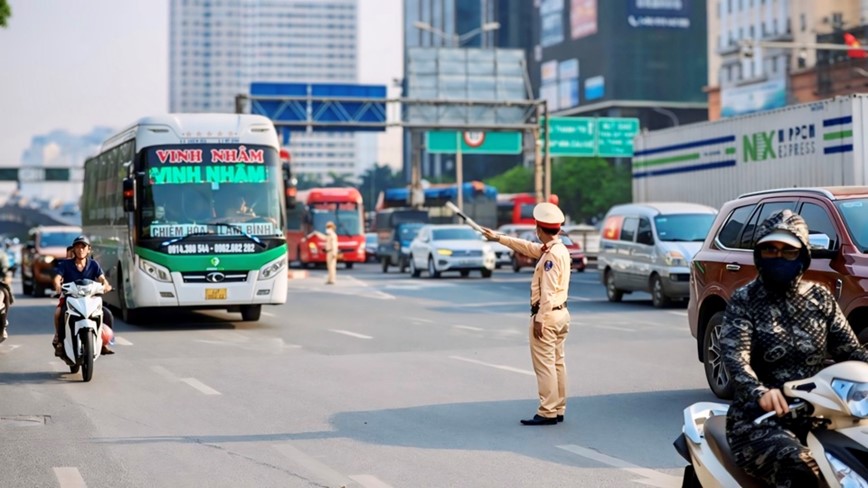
215,293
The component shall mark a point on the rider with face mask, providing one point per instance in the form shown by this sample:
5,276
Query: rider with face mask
779,328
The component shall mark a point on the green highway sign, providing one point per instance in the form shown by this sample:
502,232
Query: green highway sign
591,136
570,136
615,136
473,142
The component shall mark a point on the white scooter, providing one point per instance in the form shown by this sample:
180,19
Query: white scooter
82,325
837,397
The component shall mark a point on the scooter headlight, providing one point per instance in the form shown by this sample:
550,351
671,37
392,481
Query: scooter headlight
845,476
855,395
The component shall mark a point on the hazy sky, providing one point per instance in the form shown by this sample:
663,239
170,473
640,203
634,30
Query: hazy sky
76,65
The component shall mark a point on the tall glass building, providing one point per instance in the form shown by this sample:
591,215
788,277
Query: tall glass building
218,47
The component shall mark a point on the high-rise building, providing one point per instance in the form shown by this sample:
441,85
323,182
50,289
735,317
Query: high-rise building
743,79
459,23
218,47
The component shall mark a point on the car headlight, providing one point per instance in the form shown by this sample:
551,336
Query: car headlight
444,252
674,258
845,475
271,269
155,271
855,395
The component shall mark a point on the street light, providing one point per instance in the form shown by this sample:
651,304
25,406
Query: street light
457,39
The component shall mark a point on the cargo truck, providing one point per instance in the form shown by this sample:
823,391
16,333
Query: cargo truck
813,144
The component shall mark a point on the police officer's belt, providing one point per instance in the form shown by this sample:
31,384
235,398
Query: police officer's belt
534,309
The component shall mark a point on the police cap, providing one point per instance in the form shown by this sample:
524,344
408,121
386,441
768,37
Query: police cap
548,215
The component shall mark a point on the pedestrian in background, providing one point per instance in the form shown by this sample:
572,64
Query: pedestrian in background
550,320
331,249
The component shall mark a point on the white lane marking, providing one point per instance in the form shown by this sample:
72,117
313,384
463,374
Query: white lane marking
320,470
351,334
498,366
9,348
612,327
485,305
680,314
369,481
165,373
202,387
123,342
69,478
649,476
579,299
467,327
269,314
427,321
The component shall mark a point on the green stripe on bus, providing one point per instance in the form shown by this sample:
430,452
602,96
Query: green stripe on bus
673,159
828,136
202,262
730,150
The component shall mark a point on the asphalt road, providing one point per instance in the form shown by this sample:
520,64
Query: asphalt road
379,381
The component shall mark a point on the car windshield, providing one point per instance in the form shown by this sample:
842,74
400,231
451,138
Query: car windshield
856,219
683,227
407,232
57,239
566,240
455,234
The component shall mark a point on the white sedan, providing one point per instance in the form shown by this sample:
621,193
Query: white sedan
439,248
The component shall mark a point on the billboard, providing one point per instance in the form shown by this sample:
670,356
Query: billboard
583,18
756,97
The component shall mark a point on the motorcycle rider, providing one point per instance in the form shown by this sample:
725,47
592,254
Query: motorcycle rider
78,268
6,283
779,328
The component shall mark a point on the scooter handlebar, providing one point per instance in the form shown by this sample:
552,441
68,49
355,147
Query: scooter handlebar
766,416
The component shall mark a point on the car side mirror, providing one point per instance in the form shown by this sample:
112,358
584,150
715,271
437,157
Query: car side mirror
819,245
129,193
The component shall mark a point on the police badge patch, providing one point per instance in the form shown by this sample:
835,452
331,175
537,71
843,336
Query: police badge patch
548,265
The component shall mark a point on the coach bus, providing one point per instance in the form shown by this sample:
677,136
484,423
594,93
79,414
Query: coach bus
517,208
306,225
188,210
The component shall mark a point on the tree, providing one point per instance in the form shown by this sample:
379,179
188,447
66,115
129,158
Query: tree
588,187
5,12
516,180
378,178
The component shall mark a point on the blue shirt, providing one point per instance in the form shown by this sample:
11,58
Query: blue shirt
66,269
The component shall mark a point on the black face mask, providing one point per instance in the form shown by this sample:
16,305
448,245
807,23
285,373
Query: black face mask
779,273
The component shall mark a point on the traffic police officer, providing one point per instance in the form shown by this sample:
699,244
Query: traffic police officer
331,249
550,320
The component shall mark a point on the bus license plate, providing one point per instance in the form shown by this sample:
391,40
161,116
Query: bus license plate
215,293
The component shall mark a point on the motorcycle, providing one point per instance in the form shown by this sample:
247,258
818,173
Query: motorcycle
83,326
836,399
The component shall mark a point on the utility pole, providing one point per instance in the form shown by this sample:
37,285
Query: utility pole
537,162
459,170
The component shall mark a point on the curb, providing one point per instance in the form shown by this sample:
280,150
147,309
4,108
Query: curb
297,274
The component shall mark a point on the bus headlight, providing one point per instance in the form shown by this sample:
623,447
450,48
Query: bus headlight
155,271
271,269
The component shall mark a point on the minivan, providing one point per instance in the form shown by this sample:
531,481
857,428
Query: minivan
648,247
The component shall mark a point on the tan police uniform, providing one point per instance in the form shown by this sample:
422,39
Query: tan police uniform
548,295
331,248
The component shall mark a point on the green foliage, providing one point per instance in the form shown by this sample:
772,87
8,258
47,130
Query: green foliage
5,13
377,179
587,187
516,180
306,181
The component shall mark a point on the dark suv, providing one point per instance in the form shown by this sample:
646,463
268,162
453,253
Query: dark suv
837,219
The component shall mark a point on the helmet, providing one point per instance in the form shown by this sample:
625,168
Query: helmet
81,239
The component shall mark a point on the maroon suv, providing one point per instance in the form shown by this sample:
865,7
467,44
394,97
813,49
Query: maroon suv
837,219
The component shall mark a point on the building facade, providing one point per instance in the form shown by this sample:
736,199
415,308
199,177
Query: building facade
633,58
218,47
743,80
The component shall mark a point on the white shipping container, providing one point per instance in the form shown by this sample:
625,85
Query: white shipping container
814,144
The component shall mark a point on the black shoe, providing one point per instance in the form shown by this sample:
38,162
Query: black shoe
560,418
537,420
106,351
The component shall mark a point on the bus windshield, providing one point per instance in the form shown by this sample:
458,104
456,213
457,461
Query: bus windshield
189,187
346,216
57,239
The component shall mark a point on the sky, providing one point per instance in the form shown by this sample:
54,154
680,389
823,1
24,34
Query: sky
78,65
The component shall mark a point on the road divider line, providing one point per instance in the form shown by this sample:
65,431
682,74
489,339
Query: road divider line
351,334
202,387
9,348
680,314
648,476
69,478
613,327
497,366
427,321
320,471
467,327
368,481
123,342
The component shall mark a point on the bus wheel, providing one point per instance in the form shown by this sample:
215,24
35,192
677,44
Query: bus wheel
349,265
251,313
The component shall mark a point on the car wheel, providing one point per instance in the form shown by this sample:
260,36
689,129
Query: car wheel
26,288
612,293
403,264
414,271
515,266
486,273
658,295
716,374
385,263
465,273
432,270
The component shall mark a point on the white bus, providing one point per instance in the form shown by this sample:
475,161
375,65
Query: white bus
188,210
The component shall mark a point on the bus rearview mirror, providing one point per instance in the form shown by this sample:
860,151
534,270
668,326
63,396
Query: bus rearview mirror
129,194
